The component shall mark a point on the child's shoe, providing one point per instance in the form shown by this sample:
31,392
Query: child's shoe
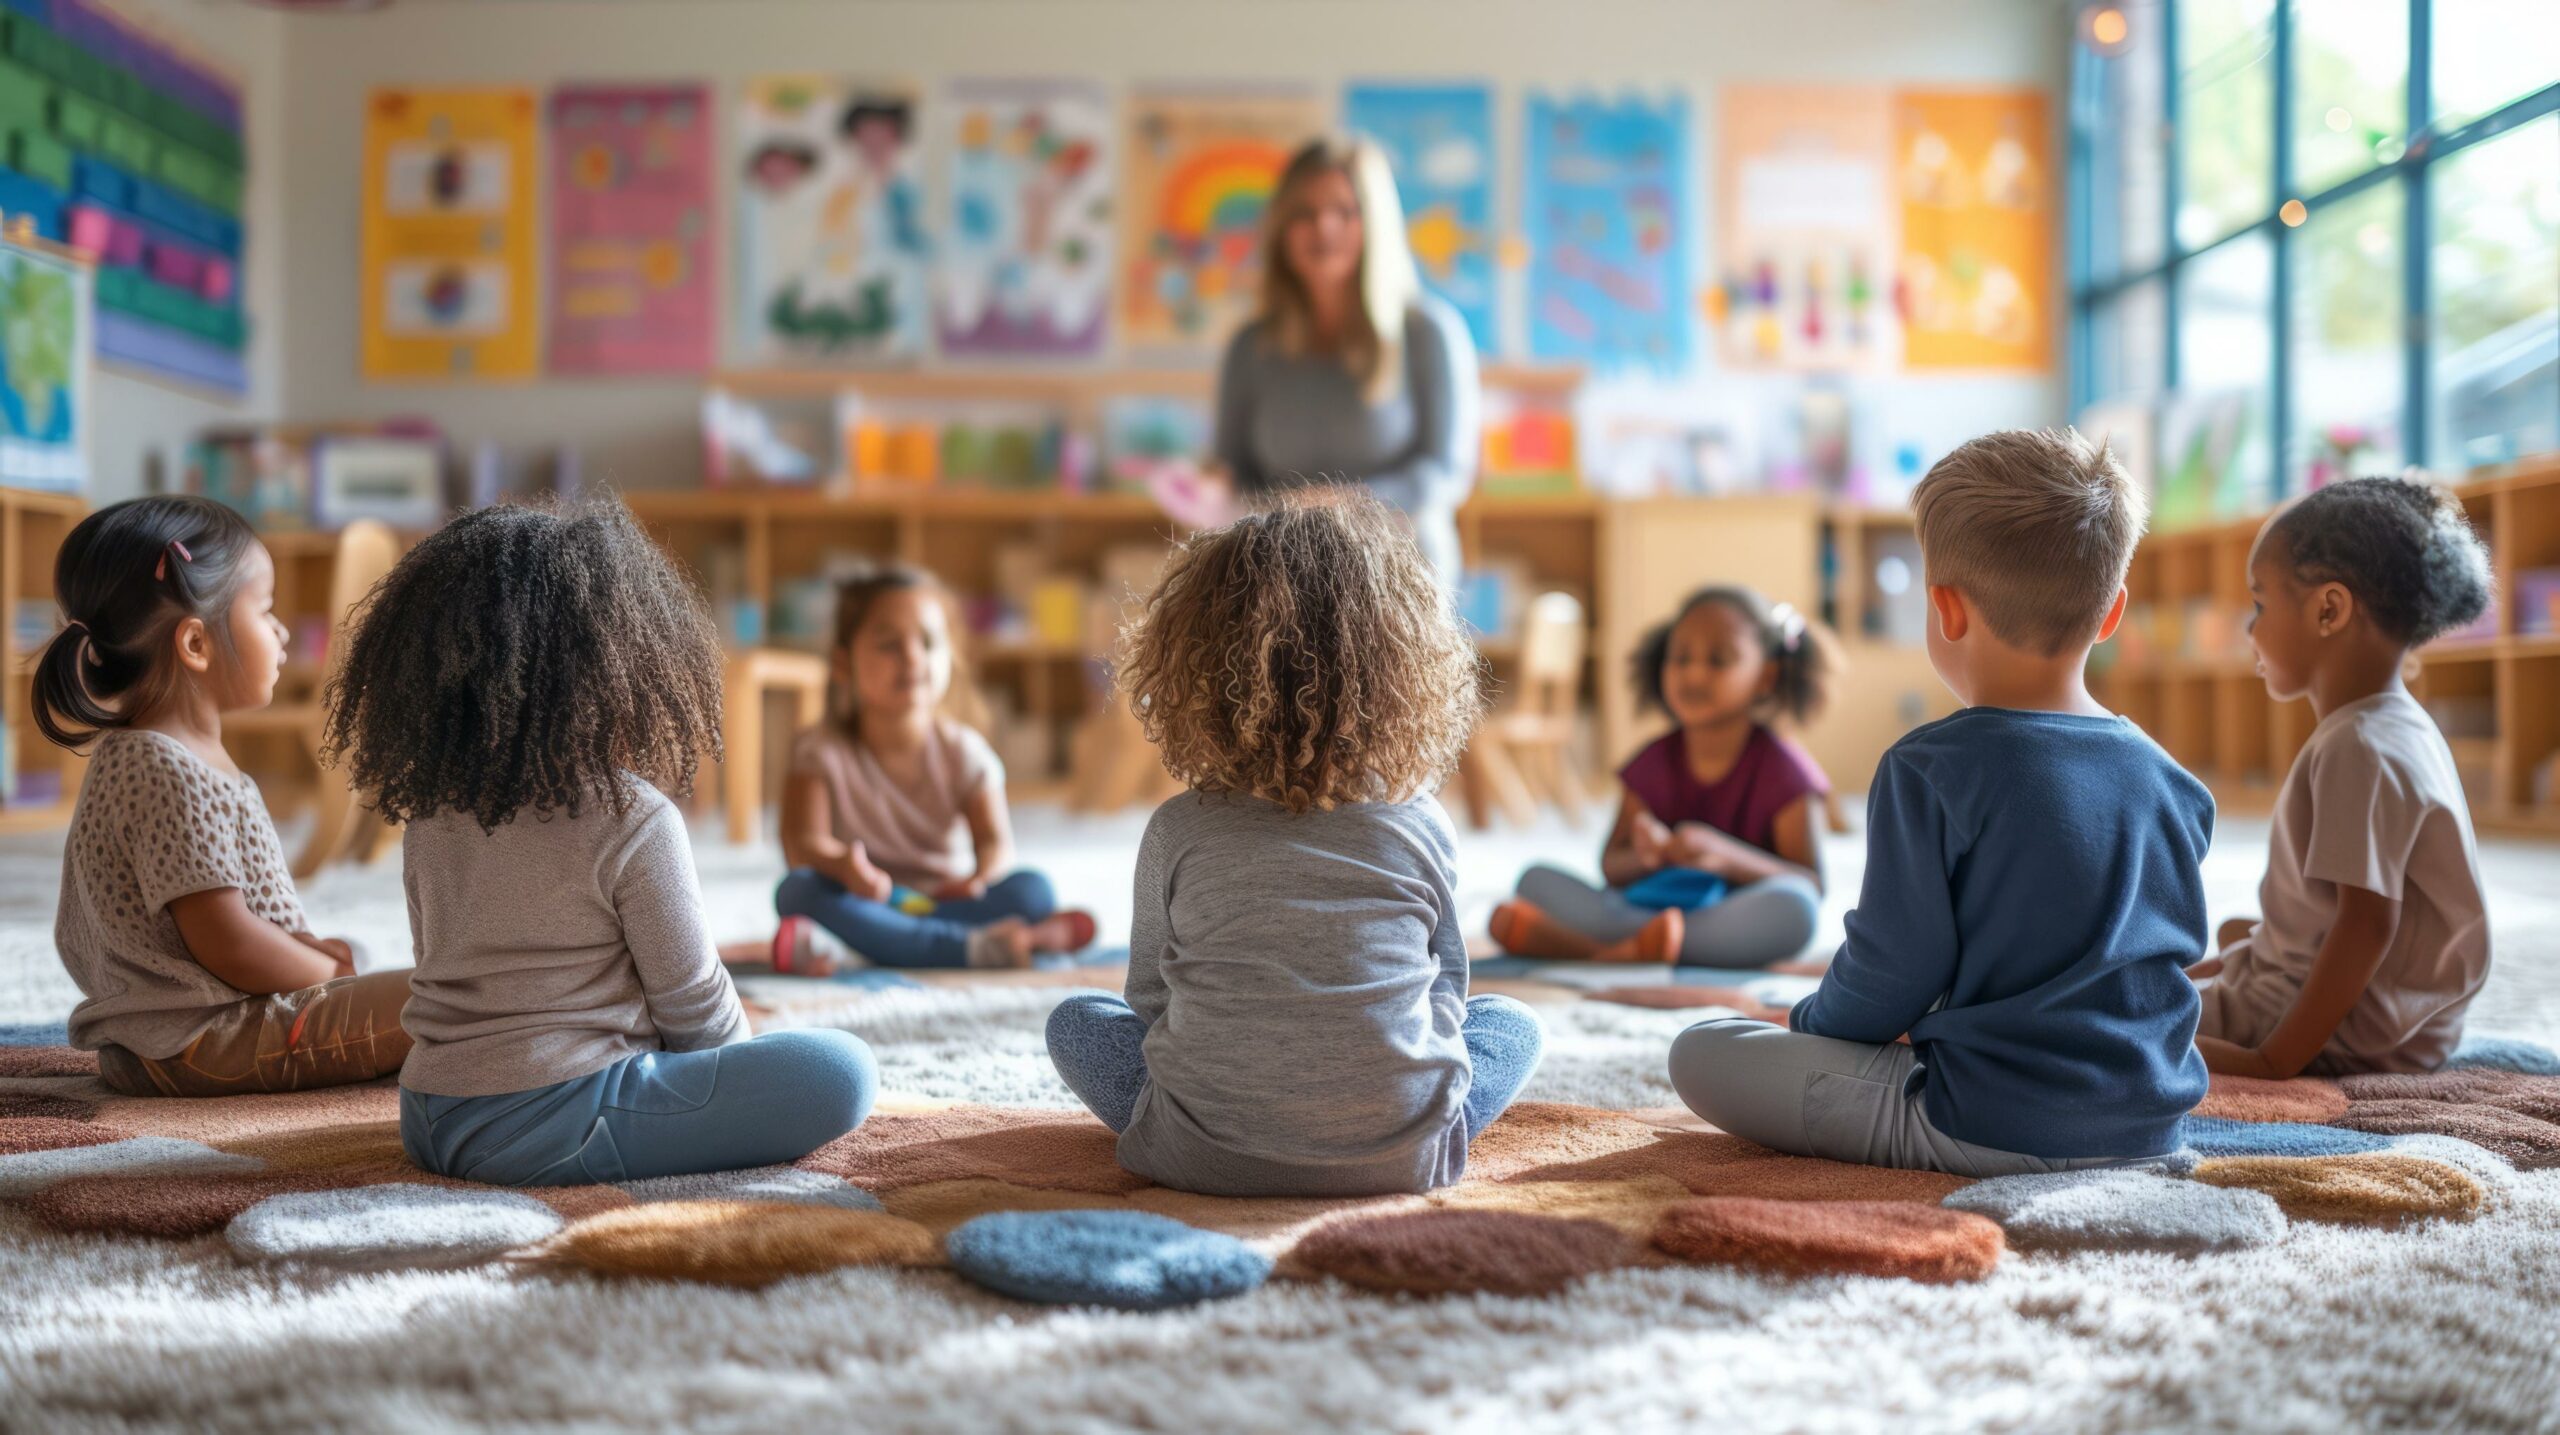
1068,931
1001,944
1657,941
802,948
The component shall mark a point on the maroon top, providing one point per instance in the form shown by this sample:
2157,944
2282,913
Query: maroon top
1769,776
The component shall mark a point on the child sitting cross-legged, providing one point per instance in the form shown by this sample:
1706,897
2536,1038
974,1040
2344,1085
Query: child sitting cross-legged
1297,1020
2032,893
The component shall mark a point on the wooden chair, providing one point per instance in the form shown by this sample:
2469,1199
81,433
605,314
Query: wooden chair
753,678
366,551
1522,755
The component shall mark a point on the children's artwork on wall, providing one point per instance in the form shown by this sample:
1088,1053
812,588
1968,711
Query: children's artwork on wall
1439,141
449,257
1604,203
45,339
1805,220
830,223
1197,171
1025,266
631,231
1977,186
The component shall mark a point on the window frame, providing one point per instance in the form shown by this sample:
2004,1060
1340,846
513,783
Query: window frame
2426,147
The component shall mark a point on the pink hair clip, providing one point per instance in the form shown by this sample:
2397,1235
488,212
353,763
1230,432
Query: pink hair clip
160,570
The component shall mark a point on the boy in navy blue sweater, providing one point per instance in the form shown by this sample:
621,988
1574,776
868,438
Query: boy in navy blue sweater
2012,995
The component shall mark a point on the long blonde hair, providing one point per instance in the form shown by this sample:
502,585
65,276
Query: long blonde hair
1374,348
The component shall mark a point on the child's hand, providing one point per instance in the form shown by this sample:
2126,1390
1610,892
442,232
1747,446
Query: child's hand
337,949
961,889
1695,844
863,879
1652,841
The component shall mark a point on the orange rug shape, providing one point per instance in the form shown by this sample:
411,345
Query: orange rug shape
221,1120
1634,1207
1713,1163
2380,1187
2312,1100
19,1134
734,1243
2534,1096
1450,1252
1539,1135
1866,1238
1677,998
1055,1150
2528,1142
47,1061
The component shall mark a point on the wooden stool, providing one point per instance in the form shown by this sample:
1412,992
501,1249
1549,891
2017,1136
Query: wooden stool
751,679
1527,748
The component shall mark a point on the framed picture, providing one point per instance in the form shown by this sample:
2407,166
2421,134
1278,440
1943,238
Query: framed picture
399,481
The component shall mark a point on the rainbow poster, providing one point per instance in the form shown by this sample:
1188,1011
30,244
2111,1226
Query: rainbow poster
1197,169
1439,141
1605,207
631,287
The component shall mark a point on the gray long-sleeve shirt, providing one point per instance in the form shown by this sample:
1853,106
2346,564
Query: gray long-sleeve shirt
551,949
1304,982
1287,420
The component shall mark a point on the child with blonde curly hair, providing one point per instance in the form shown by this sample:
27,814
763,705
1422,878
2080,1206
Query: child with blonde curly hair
1297,1020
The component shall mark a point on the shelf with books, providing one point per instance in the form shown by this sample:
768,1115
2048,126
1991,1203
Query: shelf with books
38,781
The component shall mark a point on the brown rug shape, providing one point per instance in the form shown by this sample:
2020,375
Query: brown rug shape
1537,1135
2313,1100
2534,1096
46,1106
222,1120
50,1133
1632,1206
1446,1252
1866,1238
1676,998
47,1061
1712,1163
1055,1150
171,1207
735,1243
2528,1142
2379,1186
938,1206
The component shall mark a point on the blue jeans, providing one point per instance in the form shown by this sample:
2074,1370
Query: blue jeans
761,1102
887,937
1095,1041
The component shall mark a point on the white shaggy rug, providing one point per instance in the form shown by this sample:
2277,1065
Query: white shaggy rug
2449,1326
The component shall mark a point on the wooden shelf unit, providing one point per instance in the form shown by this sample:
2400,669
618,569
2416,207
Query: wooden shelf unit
32,528
2184,671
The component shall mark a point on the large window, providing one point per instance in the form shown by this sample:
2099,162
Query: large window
2319,237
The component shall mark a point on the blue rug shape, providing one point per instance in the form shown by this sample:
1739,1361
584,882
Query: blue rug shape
872,979
2505,1053
2213,1136
1089,957
1128,1260
35,1034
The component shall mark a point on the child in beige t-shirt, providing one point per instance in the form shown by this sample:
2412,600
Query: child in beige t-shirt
2375,936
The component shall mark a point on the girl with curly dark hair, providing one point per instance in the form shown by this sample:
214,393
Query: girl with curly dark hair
2375,936
1713,860
1297,1019
511,692
179,919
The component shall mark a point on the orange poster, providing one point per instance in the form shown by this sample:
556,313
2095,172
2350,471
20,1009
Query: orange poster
1974,173
450,259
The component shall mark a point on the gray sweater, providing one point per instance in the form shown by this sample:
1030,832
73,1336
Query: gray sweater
1304,981
1285,421
551,949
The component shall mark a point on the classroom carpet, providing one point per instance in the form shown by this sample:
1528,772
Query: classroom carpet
1609,1262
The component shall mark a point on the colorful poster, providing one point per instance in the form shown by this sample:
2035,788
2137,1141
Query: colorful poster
1975,173
1196,173
1805,221
631,245
1606,209
1025,266
449,245
44,369
830,223
1439,141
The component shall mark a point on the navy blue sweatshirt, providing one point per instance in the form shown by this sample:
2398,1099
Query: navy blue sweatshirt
2032,899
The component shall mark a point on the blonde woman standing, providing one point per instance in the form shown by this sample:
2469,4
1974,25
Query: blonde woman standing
1350,374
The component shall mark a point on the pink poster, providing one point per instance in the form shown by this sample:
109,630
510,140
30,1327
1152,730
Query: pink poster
631,258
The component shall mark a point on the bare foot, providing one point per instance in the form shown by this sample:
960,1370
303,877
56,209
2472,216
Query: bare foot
1658,941
1002,944
1524,930
754,952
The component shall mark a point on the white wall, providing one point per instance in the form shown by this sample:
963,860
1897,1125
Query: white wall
307,100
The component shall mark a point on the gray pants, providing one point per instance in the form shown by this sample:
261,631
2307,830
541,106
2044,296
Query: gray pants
1839,1100
1769,921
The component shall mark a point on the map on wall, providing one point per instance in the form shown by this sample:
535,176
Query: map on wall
1604,204
44,370
631,287
1025,266
1439,141
829,227
1975,173
449,247
1805,231
1197,172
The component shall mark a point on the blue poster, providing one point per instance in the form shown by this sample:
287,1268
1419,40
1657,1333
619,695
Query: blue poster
1605,206
1439,141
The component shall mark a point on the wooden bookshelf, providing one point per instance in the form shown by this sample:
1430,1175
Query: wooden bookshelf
32,528
2183,670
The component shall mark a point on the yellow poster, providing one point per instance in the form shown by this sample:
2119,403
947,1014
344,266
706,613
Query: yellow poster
1975,177
449,241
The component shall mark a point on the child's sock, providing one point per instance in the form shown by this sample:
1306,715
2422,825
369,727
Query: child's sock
1657,941
1525,930
1068,931
802,948
1006,943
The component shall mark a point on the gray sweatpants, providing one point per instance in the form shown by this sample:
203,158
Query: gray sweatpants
1769,921
1839,1100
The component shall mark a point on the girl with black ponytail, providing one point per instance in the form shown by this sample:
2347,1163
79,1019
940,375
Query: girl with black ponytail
179,919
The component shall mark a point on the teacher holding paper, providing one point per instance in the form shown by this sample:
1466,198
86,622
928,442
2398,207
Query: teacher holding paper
1350,373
